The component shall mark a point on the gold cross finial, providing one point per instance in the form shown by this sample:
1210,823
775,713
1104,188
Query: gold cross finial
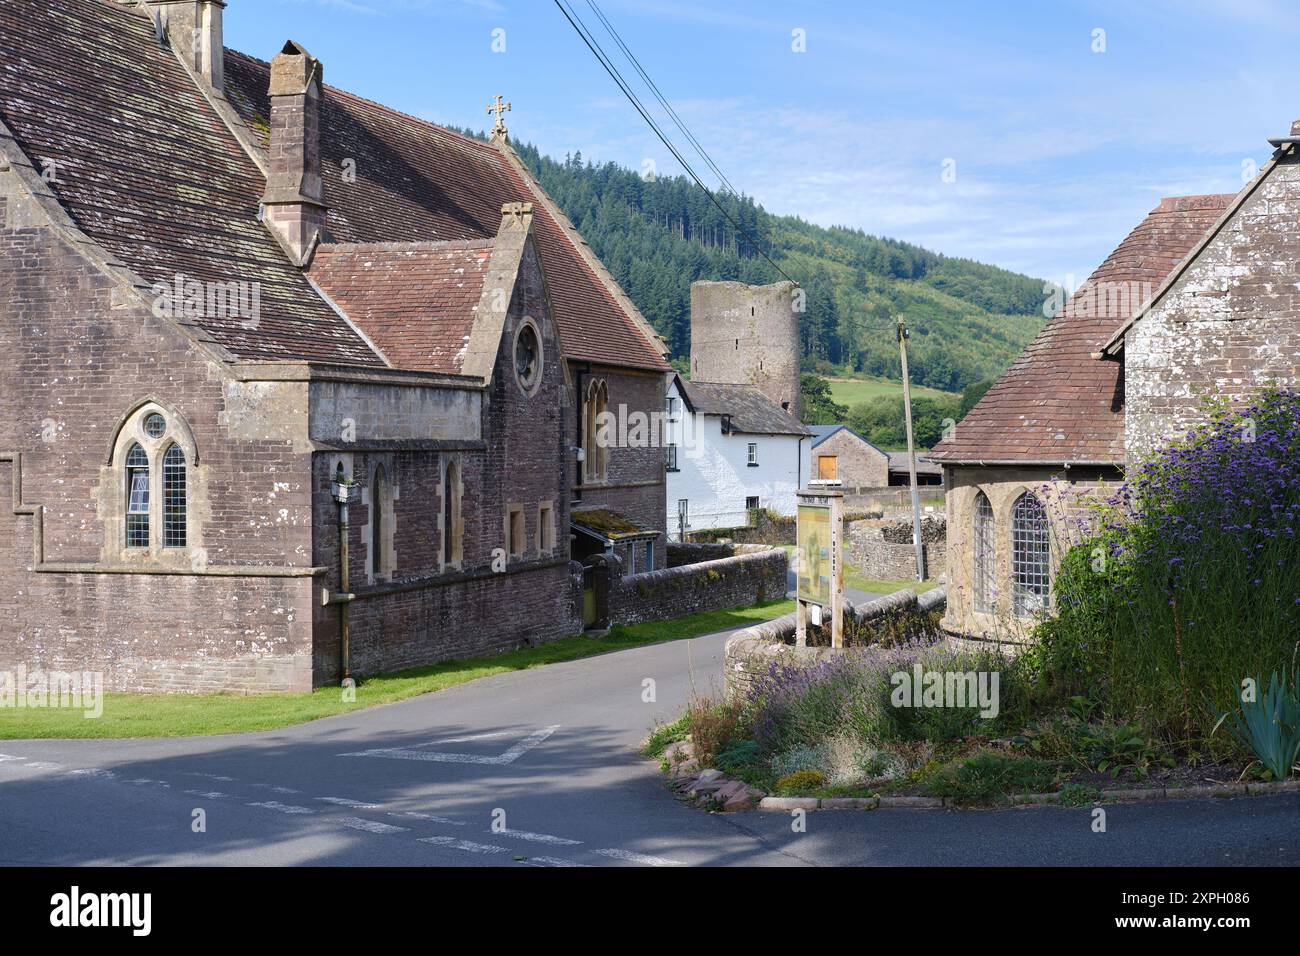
499,126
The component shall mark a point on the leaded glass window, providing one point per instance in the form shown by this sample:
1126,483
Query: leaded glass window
137,503
984,553
1030,570
174,499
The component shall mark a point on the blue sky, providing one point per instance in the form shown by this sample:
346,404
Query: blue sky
1058,151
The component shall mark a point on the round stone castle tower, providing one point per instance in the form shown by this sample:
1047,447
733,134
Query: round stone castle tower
747,335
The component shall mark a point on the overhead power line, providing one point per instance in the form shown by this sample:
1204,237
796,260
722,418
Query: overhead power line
668,108
594,46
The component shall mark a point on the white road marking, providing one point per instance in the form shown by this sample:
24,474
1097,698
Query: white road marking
5,757
509,757
431,817
282,807
371,826
210,794
44,765
141,781
274,789
345,802
210,776
537,837
639,858
465,845
88,772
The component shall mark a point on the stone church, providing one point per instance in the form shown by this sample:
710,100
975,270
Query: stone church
229,295
1197,302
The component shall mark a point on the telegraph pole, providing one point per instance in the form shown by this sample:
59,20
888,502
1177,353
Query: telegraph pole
911,452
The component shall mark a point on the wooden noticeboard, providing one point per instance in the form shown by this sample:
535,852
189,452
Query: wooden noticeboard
819,562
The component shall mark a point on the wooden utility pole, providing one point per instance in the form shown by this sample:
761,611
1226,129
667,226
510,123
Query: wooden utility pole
911,452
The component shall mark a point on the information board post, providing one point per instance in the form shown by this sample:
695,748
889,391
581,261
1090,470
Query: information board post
819,556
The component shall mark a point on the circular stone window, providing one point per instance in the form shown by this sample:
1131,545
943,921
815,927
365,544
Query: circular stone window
528,357
155,426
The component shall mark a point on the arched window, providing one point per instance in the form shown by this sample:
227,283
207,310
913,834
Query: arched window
596,451
983,553
1030,568
450,514
174,498
378,491
137,498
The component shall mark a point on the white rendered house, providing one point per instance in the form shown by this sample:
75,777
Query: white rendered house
729,449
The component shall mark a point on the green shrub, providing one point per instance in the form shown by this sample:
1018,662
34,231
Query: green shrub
801,781
988,776
666,734
1079,795
1194,581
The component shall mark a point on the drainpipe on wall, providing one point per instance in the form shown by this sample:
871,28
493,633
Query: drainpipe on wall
341,489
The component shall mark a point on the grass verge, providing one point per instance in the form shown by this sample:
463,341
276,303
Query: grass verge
158,715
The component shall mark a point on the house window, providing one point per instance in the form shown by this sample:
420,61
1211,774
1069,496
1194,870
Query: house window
631,557
174,497
671,406
683,518
983,553
670,457
753,454
649,555
828,467
1030,574
594,442
545,529
137,505
450,514
378,494
515,531
751,504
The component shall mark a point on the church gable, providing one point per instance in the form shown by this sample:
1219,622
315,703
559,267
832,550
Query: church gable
1229,323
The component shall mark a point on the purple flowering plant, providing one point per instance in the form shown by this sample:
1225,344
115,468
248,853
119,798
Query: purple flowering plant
1198,582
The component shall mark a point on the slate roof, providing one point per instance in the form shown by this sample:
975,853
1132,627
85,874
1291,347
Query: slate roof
751,411
146,168
418,182
1057,403
822,432
415,301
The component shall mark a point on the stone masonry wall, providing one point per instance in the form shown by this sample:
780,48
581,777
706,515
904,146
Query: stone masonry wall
739,581
750,654
747,335
1227,327
634,484
858,465
77,353
419,611
885,549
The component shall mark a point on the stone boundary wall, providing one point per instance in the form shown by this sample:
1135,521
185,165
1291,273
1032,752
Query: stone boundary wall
742,580
750,653
694,552
869,548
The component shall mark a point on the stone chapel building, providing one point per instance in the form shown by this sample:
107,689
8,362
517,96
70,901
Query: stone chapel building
222,284
1198,301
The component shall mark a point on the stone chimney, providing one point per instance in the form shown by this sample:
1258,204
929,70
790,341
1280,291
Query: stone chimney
193,28
294,203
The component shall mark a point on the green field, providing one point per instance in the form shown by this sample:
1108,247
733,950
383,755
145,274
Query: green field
851,391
